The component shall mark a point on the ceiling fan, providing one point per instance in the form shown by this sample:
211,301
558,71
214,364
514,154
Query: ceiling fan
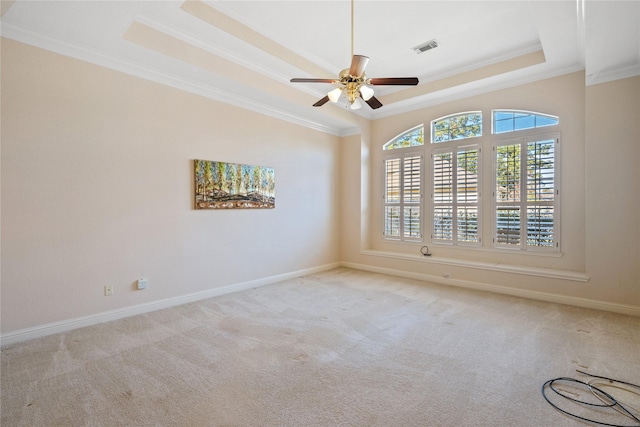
353,83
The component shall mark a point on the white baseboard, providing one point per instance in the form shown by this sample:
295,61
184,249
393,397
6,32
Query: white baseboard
541,296
80,322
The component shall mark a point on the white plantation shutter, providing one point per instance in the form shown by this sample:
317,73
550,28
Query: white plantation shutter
443,196
392,180
508,225
467,195
412,195
392,197
541,193
507,191
526,194
403,197
412,179
456,195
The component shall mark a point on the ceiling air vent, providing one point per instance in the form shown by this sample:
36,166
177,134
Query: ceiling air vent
431,44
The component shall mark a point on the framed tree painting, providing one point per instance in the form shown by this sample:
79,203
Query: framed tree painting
221,185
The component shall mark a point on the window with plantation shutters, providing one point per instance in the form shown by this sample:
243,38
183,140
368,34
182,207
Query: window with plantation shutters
520,175
455,196
412,197
403,197
526,193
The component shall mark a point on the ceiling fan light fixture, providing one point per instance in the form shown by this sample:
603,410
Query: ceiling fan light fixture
366,92
334,95
353,82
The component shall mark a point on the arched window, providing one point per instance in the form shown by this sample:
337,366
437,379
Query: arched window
433,192
456,126
411,138
513,120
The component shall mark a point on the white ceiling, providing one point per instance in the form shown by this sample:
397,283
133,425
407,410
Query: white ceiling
245,52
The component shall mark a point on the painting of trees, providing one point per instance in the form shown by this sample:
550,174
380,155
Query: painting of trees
221,185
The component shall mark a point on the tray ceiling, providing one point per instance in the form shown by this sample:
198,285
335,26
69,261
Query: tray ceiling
245,52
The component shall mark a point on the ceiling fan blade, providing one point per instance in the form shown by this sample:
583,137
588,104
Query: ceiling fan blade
321,102
358,64
303,80
390,81
374,102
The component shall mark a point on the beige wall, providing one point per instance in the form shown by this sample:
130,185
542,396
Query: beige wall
97,187
613,190
599,263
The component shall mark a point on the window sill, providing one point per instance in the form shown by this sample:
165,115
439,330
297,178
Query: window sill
490,266
433,245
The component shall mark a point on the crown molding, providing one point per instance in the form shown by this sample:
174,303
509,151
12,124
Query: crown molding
124,65
613,74
465,91
215,49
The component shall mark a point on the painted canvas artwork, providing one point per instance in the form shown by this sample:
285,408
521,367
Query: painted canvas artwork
220,185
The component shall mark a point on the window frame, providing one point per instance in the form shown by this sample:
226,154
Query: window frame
528,112
455,149
523,204
402,154
486,177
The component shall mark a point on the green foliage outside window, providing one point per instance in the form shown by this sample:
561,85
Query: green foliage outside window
467,125
412,138
525,196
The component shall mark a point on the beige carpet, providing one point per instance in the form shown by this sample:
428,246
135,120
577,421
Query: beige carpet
339,348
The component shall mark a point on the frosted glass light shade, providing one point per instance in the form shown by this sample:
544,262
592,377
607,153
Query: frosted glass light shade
366,92
355,105
334,95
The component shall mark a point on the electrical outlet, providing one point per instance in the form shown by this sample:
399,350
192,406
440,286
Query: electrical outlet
142,283
108,291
